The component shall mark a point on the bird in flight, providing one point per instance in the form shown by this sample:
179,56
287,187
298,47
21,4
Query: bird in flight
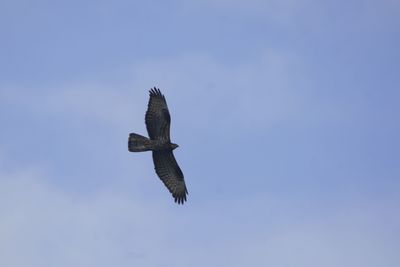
158,123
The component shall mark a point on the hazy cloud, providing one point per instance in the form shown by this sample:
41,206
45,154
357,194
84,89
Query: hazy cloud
42,225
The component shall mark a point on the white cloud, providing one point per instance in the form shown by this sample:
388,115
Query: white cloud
356,235
42,225
86,101
256,93
253,93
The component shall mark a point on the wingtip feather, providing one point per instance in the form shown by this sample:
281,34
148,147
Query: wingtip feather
156,92
181,198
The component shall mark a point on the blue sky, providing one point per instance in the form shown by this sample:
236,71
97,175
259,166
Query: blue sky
286,113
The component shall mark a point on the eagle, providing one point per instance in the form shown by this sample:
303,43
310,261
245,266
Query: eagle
158,121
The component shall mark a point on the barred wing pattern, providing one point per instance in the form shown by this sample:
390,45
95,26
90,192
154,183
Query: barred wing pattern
157,117
170,174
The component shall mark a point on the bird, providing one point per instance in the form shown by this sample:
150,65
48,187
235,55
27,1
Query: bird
158,121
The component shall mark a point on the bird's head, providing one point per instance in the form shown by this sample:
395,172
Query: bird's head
173,146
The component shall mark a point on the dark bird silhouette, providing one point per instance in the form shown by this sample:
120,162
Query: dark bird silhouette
158,123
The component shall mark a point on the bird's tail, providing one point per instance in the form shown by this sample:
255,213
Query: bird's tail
138,143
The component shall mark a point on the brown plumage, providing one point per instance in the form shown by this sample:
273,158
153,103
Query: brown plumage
158,121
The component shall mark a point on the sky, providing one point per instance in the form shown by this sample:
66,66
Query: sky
286,114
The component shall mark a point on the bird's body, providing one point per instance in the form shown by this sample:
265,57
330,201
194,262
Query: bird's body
138,143
158,122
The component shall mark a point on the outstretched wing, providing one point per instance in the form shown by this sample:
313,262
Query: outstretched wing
157,118
170,174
